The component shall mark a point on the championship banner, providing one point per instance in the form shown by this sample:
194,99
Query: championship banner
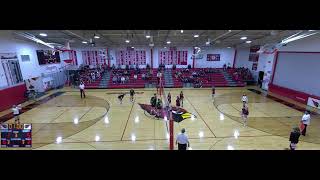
173,57
131,57
213,57
314,102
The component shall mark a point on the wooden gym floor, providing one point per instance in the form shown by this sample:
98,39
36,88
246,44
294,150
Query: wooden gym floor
100,122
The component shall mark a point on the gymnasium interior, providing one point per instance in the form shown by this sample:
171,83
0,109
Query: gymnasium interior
41,70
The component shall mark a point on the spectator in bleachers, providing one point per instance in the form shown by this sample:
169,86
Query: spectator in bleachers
135,77
229,66
143,76
114,79
113,67
224,67
122,79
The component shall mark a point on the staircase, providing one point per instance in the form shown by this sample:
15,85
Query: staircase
168,81
229,79
105,79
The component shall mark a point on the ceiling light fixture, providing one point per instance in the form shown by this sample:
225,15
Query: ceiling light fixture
243,38
127,41
181,31
148,36
84,42
248,42
196,35
168,42
228,47
96,37
43,34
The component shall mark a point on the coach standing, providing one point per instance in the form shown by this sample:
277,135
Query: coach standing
182,140
81,86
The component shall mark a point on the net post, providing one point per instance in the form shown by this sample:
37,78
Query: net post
171,147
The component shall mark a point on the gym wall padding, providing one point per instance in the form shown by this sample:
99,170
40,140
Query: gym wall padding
298,71
12,95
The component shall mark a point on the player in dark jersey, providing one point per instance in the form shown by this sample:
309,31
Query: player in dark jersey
132,93
213,91
181,98
120,97
244,114
178,102
169,98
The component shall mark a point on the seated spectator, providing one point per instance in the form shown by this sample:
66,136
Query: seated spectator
143,76
135,77
127,79
114,79
122,79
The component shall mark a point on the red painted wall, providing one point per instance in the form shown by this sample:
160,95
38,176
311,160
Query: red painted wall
11,96
292,94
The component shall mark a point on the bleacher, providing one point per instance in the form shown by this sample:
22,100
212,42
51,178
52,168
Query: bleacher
218,78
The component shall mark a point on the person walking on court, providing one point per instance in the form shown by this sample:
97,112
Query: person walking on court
244,114
120,97
178,102
244,99
132,93
81,86
213,91
182,140
306,122
181,98
294,138
16,112
169,98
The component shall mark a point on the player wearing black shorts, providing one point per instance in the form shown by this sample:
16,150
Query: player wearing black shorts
132,93
120,97
169,98
181,98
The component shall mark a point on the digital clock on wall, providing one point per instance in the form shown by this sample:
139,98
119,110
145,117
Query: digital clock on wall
16,135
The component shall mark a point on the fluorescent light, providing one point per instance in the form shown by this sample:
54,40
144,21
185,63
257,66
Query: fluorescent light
168,42
97,138
221,117
165,47
248,42
243,38
230,147
181,31
201,134
147,36
59,140
97,37
84,42
229,30
196,35
311,30
132,47
136,120
106,120
43,34
236,134
228,47
207,43
127,41
133,137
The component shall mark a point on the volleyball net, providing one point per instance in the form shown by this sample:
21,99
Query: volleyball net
166,112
